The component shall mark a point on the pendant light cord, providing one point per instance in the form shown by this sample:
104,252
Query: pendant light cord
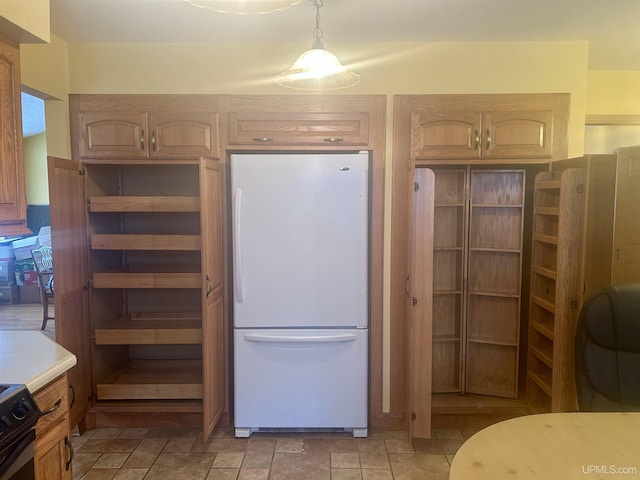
318,32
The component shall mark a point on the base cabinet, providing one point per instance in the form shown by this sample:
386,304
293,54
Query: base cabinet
156,268
53,451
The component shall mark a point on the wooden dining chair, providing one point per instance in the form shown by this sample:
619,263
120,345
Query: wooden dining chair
43,262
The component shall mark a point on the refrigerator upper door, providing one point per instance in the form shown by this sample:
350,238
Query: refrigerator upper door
300,228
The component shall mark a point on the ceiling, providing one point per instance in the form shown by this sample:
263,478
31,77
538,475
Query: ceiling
610,26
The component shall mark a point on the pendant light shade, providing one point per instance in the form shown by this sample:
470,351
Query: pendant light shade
317,68
244,7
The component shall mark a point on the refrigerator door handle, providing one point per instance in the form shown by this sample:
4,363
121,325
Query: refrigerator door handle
299,338
238,246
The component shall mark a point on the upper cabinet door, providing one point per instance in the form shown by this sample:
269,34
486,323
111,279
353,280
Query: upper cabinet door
113,134
299,128
183,134
518,134
446,135
13,200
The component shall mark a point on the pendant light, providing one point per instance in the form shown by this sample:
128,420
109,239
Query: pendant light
243,7
317,68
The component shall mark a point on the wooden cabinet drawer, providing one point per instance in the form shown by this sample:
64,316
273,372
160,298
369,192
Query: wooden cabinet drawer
52,399
296,128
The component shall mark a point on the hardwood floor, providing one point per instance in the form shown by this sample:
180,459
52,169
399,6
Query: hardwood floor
26,316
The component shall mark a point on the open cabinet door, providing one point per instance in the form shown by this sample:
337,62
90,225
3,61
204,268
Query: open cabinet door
214,332
420,335
71,290
626,238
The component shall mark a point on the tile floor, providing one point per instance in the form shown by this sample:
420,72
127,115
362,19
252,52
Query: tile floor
181,454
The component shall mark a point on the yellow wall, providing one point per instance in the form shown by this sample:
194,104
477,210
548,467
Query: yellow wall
613,92
35,169
387,68
45,71
25,20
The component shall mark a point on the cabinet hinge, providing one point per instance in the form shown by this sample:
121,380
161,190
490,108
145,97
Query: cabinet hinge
574,304
81,172
414,301
413,415
416,186
580,188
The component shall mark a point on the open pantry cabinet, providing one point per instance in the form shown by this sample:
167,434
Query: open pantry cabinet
477,266
572,257
155,268
554,289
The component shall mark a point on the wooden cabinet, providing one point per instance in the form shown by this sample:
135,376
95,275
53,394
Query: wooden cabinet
489,129
571,259
626,249
553,302
597,207
300,121
477,263
156,268
144,126
13,197
53,451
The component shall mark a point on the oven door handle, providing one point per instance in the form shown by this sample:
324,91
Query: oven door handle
20,447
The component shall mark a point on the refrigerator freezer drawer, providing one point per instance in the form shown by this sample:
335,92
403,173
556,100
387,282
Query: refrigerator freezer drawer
300,379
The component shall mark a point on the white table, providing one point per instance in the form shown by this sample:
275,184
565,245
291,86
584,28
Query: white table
562,446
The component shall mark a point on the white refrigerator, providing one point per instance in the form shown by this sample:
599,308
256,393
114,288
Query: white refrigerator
301,291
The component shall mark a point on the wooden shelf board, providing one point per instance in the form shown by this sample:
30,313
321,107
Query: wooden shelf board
445,339
544,386
149,276
151,332
147,406
154,380
551,239
447,292
487,341
542,329
496,250
448,205
468,404
548,185
495,294
552,211
145,242
550,307
487,205
542,356
545,272
125,203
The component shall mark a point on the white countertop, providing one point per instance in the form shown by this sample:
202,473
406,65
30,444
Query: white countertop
31,358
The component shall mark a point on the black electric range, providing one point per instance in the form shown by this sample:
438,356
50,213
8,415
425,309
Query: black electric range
18,413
